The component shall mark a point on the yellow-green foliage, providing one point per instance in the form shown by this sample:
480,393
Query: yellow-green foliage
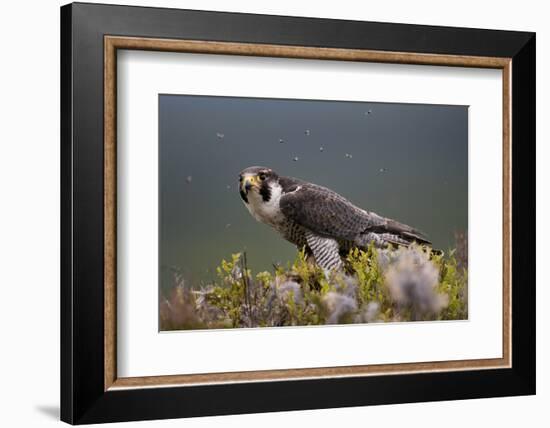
307,271
364,264
301,294
454,283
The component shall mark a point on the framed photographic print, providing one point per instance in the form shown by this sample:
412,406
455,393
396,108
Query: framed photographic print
265,213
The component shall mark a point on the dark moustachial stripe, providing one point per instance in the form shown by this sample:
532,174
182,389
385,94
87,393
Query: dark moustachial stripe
265,191
243,195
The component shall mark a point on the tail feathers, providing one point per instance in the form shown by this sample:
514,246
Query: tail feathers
415,237
407,232
393,232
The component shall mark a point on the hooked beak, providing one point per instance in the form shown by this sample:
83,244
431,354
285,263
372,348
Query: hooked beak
248,182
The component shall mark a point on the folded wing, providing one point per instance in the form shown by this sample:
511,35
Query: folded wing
328,214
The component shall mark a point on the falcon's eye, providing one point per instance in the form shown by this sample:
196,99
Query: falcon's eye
262,176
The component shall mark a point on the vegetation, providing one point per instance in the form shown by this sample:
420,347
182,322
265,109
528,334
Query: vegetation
390,285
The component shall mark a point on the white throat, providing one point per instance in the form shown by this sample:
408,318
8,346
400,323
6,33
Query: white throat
266,212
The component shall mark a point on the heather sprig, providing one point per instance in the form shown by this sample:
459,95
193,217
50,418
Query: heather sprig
376,285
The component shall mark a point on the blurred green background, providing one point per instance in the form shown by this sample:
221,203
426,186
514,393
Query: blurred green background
404,161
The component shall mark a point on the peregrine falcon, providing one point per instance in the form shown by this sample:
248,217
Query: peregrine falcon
318,219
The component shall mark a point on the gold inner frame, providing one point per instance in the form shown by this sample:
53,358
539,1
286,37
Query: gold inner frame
113,43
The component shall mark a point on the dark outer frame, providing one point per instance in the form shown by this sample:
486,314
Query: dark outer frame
83,396
113,43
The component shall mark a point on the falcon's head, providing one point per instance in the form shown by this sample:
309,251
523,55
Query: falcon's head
258,183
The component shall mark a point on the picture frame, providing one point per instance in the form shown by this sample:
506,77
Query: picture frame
91,36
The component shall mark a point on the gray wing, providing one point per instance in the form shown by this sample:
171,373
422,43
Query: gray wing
325,212
328,214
